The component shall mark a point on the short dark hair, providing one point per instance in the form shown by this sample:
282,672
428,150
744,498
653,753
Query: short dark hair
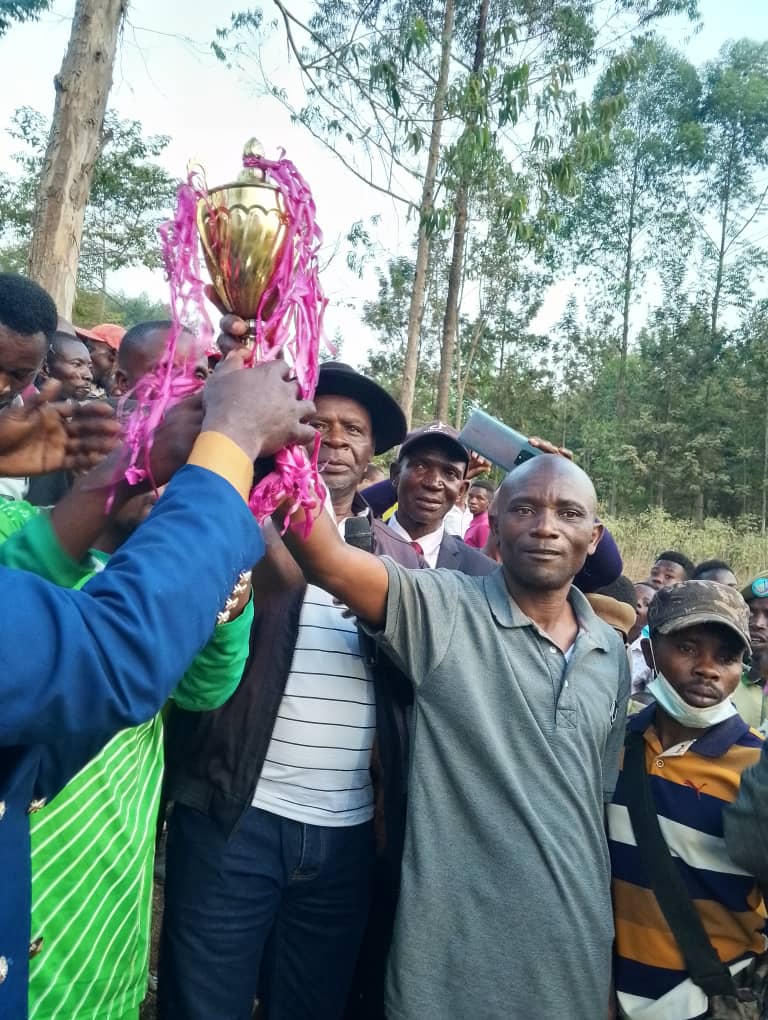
673,556
483,483
622,589
137,334
25,307
707,566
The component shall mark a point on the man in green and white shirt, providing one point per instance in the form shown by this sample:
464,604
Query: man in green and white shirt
93,846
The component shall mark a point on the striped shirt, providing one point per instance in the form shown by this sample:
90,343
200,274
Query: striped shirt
317,764
691,783
92,847
92,852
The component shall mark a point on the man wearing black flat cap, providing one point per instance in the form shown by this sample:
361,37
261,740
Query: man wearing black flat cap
271,841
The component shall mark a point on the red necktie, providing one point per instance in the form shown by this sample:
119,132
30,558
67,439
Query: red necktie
418,548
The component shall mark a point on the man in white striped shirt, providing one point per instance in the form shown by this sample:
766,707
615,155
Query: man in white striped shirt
271,844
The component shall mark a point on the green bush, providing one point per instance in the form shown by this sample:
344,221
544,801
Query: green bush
643,536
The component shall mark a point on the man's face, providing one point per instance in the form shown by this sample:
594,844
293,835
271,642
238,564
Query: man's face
140,360
758,624
71,365
431,480
644,594
702,663
346,442
665,572
478,501
103,358
21,358
545,529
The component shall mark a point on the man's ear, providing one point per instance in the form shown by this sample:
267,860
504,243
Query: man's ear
493,521
645,648
394,474
597,534
120,384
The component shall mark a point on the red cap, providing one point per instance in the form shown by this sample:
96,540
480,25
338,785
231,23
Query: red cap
107,333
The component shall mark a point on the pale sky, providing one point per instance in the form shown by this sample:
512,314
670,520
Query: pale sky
167,78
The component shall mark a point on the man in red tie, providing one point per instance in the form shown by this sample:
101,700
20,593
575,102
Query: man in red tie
432,476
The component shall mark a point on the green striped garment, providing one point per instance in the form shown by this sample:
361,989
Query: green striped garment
92,852
93,845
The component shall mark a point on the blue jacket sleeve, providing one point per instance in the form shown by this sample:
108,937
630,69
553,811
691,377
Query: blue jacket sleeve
92,662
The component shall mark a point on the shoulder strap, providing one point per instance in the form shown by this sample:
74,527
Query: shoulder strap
703,963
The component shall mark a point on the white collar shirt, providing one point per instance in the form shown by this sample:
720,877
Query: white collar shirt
430,544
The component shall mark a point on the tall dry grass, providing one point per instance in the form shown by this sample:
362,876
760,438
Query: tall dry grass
643,536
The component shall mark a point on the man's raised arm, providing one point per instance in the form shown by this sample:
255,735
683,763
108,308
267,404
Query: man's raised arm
356,578
87,663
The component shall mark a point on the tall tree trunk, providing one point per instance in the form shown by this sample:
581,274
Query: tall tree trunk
419,290
451,318
764,504
723,238
82,88
461,389
621,382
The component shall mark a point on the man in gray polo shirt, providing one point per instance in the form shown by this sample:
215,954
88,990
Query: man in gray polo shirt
519,700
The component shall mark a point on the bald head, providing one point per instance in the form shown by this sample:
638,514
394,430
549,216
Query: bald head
545,524
545,469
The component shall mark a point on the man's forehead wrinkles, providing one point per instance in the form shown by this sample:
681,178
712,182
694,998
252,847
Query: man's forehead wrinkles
543,496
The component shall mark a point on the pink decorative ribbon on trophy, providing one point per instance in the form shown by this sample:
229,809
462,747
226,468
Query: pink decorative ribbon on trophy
261,244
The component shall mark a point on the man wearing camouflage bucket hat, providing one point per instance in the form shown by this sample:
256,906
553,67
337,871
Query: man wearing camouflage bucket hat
689,921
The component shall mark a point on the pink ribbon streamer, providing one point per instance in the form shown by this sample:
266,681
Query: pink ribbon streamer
292,329
168,382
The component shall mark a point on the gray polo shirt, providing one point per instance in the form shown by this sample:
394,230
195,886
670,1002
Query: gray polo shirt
505,906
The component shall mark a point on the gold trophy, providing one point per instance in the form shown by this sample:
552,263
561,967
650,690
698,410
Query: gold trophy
242,227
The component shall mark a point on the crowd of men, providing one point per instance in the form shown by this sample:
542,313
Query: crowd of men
433,758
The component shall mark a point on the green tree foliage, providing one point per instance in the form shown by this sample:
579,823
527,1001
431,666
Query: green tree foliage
13,11
130,196
735,118
90,308
375,95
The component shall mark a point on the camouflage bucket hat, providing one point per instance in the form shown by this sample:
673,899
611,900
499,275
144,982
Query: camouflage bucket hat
694,602
757,588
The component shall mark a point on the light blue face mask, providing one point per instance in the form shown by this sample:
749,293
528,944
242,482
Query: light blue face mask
687,715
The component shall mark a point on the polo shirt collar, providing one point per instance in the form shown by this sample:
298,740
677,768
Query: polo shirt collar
712,744
507,613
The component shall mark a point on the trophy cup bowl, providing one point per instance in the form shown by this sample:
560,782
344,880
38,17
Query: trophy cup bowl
242,228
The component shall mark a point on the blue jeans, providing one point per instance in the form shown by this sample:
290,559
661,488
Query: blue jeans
277,909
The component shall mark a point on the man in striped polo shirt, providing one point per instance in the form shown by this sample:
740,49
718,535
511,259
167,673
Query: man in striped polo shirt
696,747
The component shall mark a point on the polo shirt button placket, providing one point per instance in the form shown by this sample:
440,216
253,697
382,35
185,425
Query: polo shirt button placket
659,763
